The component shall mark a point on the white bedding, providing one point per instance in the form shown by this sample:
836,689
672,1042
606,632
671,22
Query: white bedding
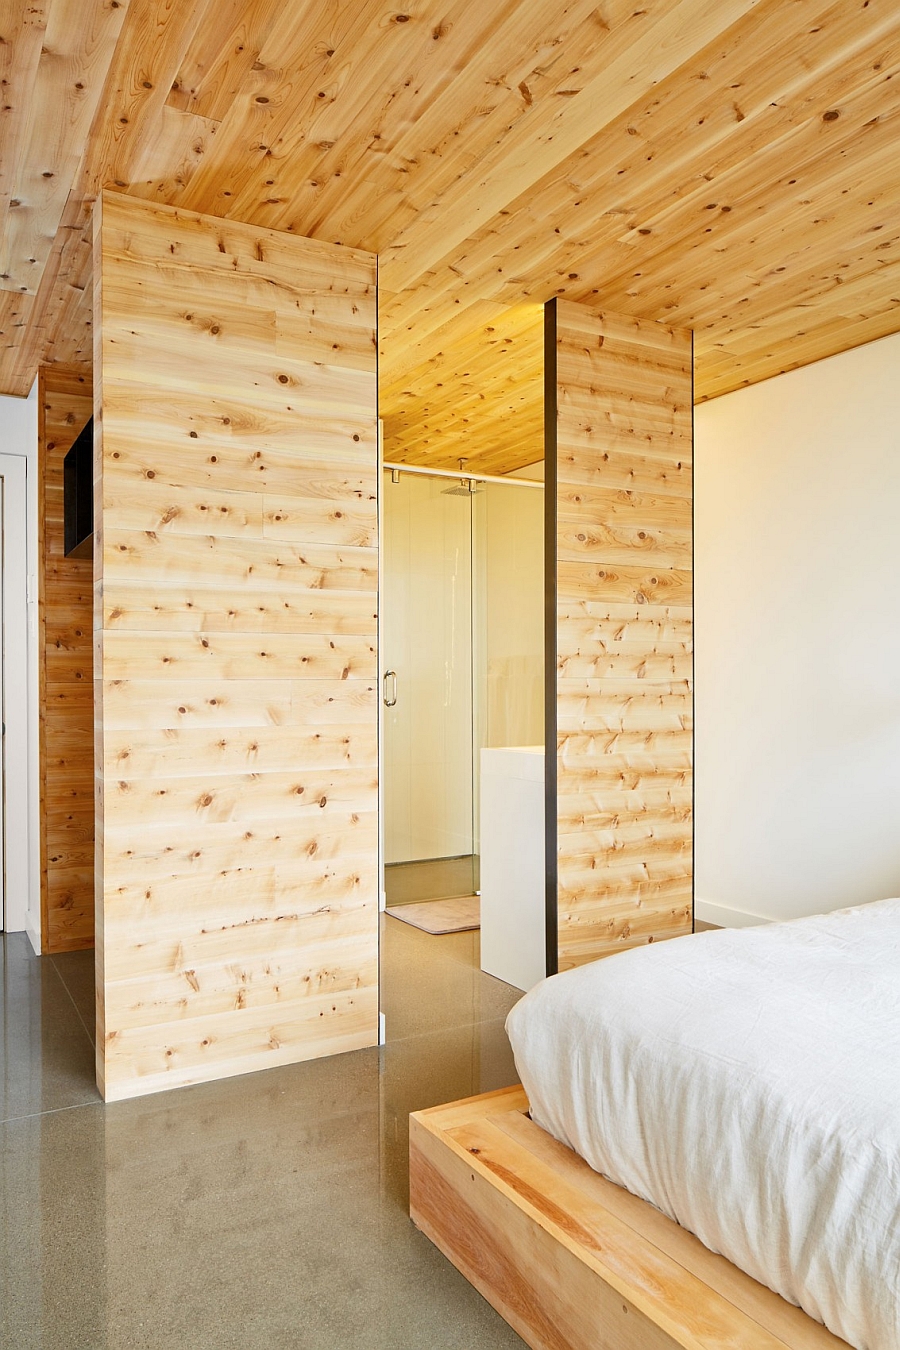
747,1083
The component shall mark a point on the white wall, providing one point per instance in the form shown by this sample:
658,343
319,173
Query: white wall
797,504
509,553
18,436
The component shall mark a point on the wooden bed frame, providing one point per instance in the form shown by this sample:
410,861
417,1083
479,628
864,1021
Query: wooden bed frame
570,1260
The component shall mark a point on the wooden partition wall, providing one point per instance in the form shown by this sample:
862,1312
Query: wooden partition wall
619,442
65,644
236,589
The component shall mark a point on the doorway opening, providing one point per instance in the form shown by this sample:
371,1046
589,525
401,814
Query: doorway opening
14,796
462,662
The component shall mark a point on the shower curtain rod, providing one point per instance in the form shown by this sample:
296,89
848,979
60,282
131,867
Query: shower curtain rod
462,474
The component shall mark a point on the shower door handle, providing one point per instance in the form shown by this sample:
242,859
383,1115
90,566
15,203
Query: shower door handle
389,699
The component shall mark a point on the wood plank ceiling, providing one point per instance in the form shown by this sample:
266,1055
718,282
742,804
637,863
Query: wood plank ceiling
723,165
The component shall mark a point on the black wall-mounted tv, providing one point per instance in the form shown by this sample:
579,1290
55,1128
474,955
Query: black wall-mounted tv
78,495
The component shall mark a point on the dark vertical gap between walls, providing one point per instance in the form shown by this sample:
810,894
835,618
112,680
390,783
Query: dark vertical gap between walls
551,861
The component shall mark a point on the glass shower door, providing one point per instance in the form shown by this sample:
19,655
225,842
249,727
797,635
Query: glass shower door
427,684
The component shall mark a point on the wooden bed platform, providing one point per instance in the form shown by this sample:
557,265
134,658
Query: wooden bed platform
570,1260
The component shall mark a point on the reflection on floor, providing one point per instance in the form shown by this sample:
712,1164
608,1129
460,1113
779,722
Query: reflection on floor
264,1211
430,984
431,879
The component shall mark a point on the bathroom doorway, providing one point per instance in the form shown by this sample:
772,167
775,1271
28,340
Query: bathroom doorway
462,670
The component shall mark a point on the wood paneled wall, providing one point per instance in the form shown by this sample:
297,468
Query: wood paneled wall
65,644
236,616
619,735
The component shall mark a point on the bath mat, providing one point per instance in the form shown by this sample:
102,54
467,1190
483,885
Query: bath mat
456,915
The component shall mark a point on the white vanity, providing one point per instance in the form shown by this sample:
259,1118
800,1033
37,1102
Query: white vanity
512,864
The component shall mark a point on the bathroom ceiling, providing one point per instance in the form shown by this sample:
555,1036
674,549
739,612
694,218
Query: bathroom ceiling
481,400
724,165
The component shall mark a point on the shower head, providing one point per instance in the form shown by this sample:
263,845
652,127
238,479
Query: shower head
466,488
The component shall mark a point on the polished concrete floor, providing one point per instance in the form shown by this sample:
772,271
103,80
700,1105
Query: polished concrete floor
265,1211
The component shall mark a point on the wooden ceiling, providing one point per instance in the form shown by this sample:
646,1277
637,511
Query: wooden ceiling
480,398
724,165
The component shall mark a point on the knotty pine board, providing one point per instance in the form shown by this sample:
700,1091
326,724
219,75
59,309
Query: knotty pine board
235,609
568,1258
481,401
61,51
675,159
65,607
620,731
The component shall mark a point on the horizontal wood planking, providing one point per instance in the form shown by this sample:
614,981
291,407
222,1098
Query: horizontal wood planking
624,635
235,656
581,812
328,902
232,429
624,583
262,749
236,606
259,983
159,908
164,1055
240,798
65,642
254,564
168,850
236,703
215,609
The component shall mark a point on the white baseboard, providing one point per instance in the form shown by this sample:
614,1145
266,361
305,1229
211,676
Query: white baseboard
723,916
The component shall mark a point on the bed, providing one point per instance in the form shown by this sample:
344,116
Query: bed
743,1086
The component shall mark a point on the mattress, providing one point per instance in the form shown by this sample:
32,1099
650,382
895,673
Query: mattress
746,1083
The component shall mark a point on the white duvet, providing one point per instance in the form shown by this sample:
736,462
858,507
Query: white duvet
747,1083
